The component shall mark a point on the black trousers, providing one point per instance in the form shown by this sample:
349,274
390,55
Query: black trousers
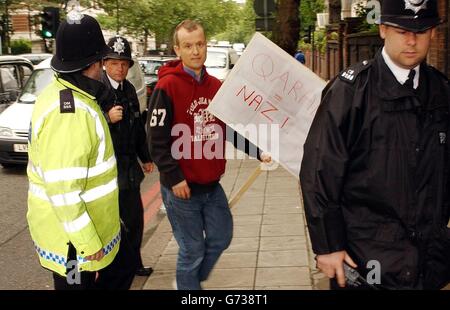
132,215
87,282
87,278
118,275
335,286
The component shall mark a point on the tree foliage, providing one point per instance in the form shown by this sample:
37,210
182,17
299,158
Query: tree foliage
40,4
20,46
241,26
362,11
222,19
308,12
144,17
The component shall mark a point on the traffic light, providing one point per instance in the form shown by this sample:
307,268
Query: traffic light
264,9
307,35
49,22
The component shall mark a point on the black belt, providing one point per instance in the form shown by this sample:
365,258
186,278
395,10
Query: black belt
197,188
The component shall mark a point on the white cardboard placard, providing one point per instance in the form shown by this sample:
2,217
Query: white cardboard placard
268,87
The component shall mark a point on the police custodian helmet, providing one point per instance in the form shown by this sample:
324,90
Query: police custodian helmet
79,43
410,15
119,48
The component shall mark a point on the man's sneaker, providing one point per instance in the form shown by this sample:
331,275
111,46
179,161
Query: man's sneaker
144,271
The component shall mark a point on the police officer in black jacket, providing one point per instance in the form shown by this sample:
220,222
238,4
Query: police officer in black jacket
129,139
375,172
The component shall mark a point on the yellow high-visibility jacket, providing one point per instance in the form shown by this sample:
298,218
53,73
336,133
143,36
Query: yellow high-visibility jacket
73,194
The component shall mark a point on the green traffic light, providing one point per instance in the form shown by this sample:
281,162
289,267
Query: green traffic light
47,34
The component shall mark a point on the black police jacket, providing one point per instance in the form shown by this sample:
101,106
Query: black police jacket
128,135
374,175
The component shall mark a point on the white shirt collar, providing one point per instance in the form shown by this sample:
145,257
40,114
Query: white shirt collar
400,74
113,82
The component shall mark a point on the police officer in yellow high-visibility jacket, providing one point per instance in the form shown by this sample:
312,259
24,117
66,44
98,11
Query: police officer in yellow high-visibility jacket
73,212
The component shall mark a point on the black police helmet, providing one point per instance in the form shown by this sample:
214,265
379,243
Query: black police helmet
79,43
410,15
119,48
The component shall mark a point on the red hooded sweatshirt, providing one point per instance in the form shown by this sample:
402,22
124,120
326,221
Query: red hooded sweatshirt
186,142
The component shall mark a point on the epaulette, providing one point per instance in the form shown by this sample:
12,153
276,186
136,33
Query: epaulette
349,75
66,101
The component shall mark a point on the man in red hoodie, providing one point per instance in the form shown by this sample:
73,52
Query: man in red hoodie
190,172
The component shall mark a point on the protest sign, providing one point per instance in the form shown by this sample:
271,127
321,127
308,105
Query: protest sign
271,99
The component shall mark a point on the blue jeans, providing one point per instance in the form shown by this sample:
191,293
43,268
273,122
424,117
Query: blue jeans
203,228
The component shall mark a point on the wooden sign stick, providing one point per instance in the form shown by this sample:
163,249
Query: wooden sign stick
232,202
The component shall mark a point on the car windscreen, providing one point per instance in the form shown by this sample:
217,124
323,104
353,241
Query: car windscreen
135,77
37,82
150,67
216,60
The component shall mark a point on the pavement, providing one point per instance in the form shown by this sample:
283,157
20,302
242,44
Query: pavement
270,247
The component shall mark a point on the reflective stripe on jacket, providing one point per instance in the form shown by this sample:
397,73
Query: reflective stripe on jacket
73,194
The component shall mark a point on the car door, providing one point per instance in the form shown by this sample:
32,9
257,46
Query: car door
13,76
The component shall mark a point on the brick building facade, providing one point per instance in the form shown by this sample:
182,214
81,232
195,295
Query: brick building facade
352,47
439,55
25,26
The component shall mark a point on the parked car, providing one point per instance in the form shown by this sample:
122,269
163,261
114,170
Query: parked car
239,48
220,61
36,58
136,77
15,120
150,66
14,73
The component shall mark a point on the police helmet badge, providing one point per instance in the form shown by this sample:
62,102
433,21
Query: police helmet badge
415,5
415,16
74,14
119,46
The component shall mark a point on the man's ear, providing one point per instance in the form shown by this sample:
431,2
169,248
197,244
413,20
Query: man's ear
433,32
382,30
176,48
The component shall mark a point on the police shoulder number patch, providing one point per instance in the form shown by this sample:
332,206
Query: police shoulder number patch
66,101
349,75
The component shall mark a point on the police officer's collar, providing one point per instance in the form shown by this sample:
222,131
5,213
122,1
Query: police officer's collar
114,83
88,85
387,86
400,73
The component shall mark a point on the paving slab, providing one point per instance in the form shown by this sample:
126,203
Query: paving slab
270,249
228,278
287,258
282,243
282,276
282,230
244,244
